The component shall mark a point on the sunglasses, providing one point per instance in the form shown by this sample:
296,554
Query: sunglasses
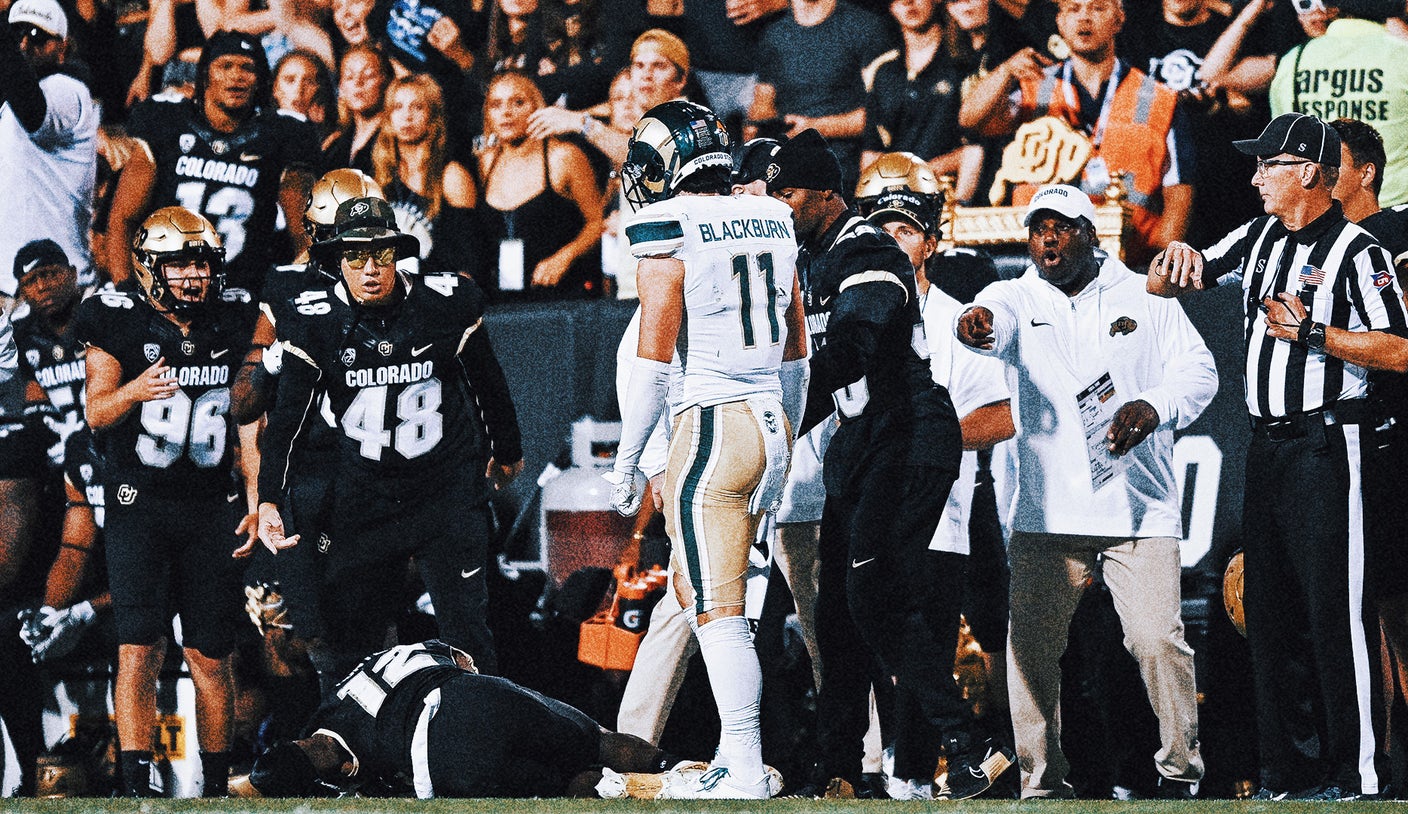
357,258
1262,164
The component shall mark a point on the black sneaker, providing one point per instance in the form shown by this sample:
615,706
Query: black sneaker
973,772
1339,794
1312,793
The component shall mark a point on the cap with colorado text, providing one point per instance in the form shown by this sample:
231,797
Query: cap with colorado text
1298,135
1062,199
906,204
43,14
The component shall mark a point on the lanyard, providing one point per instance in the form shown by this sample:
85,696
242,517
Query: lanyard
1068,85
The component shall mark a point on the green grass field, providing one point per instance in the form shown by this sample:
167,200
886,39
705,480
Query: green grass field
93,806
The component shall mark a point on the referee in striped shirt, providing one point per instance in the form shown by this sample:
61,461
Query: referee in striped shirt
1322,305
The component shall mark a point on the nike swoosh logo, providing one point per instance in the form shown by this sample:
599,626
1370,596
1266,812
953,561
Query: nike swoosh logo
1036,324
468,574
822,301
248,157
859,563
422,349
216,354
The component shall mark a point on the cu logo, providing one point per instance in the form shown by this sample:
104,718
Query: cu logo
126,494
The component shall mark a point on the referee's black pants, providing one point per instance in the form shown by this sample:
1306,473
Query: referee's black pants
1313,631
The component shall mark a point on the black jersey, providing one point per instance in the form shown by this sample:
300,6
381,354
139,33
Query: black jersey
83,469
869,349
414,388
232,179
56,363
377,707
179,447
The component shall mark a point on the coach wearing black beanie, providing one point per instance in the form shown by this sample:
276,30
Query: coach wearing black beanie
888,472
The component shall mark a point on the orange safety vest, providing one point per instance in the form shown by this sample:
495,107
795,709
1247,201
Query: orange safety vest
1135,142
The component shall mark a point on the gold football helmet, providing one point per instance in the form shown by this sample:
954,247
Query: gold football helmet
328,194
912,188
1232,593
175,233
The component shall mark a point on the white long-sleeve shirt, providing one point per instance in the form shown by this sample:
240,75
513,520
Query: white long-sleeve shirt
1057,346
973,381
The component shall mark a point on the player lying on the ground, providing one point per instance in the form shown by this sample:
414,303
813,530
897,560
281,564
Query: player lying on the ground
420,717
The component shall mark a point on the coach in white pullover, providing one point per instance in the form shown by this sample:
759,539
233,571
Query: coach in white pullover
1102,374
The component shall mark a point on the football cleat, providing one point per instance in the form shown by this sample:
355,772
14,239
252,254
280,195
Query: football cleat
973,772
718,783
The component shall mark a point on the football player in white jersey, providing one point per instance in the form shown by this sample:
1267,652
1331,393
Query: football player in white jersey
717,279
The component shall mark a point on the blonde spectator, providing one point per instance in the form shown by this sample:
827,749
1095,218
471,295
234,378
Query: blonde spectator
541,203
303,85
431,195
361,98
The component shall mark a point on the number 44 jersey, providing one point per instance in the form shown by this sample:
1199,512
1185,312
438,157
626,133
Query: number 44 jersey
739,254
406,384
182,446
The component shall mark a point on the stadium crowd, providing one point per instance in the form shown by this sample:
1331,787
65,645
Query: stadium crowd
247,250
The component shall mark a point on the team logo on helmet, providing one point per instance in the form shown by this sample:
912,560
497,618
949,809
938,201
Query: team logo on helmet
152,351
187,142
349,356
126,494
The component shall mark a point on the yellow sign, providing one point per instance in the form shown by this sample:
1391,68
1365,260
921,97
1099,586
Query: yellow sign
168,735
1044,151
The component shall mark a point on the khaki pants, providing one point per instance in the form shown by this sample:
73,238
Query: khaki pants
1049,573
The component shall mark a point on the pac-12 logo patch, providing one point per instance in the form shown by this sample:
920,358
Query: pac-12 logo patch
349,356
152,351
187,141
126,494
32,356
1123,325
1383,279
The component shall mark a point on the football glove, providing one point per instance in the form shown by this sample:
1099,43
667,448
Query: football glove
627,490
265,606
63,630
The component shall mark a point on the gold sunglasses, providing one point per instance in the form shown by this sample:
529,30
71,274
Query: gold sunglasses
357,258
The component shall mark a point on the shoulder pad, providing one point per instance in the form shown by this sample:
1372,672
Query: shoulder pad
116,299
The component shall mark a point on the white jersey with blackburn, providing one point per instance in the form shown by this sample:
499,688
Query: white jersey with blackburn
232,179
740,255
181,446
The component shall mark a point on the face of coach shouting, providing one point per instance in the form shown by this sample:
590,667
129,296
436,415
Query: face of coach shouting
1063,250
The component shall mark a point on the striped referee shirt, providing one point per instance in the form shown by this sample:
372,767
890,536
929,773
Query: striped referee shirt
1344,278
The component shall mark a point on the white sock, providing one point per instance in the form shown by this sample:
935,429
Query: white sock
737,680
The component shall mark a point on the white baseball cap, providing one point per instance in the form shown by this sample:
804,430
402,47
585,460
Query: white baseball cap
1062,199
43,14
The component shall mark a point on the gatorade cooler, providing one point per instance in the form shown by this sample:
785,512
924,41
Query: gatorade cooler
578,527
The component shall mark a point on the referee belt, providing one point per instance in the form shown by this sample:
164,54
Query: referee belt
1349,411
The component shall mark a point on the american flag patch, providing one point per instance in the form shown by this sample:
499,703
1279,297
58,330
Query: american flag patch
1310,275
